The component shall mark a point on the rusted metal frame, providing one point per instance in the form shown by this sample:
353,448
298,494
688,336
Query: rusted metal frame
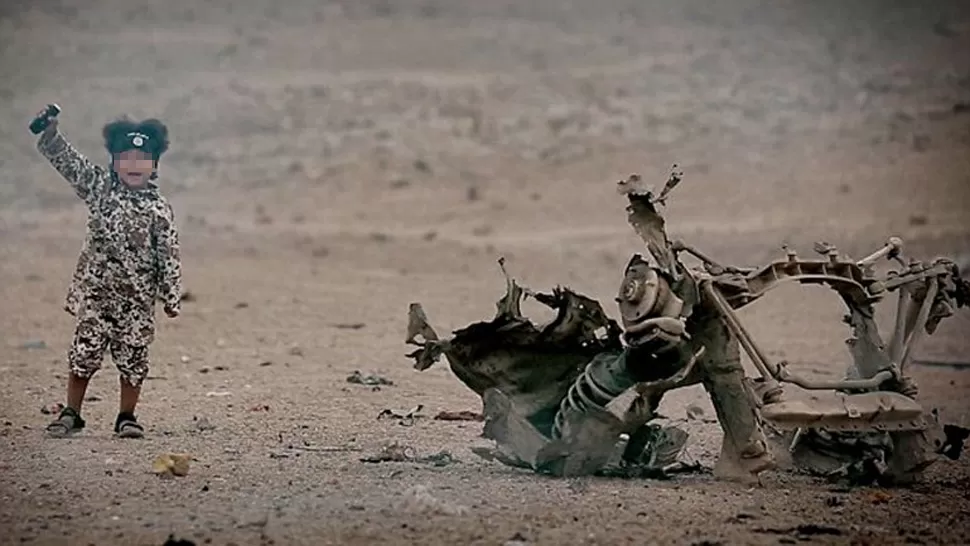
918,328
903,303
774,373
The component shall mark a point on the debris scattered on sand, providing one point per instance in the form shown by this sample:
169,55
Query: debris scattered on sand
405,418
955,437
393,452
463,415
419,499
52,409
172,541
260,407
202,423
648,472
324,449
802,531
218,393
171,464
349,325
369,380
401,453
441,458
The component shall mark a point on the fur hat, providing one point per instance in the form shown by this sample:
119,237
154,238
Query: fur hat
123,134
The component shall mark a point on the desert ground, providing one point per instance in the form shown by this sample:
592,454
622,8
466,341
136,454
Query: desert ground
334,161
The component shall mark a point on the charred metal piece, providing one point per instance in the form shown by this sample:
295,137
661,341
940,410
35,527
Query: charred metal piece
555,396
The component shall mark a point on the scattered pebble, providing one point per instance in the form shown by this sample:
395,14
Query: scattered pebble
371,380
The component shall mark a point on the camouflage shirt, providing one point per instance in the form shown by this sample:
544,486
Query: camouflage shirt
130,257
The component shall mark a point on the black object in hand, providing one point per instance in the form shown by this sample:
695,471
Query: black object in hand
44,118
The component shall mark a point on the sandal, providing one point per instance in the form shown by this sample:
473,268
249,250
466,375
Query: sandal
67,423
126,426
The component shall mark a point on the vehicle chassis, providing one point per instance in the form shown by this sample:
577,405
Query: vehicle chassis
875,397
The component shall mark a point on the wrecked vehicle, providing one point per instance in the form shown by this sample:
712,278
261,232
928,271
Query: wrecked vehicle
577,395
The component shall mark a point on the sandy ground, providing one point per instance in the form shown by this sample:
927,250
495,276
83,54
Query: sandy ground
334,161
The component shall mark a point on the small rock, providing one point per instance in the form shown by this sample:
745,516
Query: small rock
202,423
185,359
172,541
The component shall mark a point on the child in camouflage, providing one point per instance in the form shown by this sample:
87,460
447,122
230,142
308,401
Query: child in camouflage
130,258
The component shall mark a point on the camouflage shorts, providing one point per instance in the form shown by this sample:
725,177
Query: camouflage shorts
96,334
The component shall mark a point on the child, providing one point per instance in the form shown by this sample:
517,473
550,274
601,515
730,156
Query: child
129,259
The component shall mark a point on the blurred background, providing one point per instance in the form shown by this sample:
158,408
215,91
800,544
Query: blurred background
282,97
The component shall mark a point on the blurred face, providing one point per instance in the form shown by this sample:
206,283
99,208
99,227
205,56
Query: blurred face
134,167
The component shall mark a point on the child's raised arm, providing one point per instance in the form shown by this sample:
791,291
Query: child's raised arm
87,179
169,261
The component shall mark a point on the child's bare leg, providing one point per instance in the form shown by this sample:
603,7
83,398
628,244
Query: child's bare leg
129,397
132,362
84,360
76,387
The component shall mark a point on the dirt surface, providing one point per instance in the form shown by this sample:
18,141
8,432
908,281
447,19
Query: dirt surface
334,161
